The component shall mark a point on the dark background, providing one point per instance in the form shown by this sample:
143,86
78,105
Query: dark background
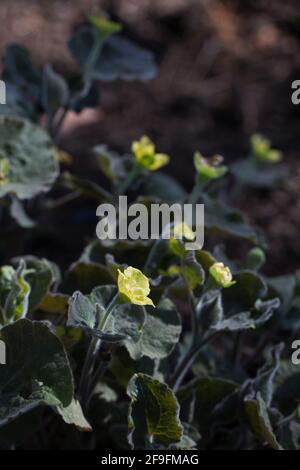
225,72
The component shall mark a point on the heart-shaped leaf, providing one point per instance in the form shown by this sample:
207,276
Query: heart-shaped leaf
153,414
29,156
160,333
37,370
257,413
124,324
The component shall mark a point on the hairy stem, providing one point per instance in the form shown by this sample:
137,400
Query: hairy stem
187,362
90,359
135,171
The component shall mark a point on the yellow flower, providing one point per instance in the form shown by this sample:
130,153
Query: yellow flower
145,154
134,287
209,168
221,274
261,149
182,230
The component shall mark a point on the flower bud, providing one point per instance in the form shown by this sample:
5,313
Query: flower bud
221,275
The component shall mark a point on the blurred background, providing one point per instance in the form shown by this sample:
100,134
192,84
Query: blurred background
225,72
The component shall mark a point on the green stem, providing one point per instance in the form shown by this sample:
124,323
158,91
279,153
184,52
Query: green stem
92,353
197,190
56,126
193,317
187,362
94,380
94,54
135,171
151,256
3,317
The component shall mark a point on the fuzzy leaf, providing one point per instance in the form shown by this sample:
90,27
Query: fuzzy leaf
18,213
257,413
55,91
54,303
37,371
123,325
209,309
208,392
166,188
14,294
250,173
73,414
160,333
222,220
153,413
39,275
32,168
118,58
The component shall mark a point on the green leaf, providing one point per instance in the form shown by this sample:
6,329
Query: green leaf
19,70
205,258
37,371
18,213
287,387
122,250
209,309
84,276
54,303
243,294
262,313
31,161
250,173
112,165
160,333
118,58
284,287
290,434
23,84
128,320
82,311
39,275
69,336
85,187
189,438
124,324
192,271
55,90
257,413
14,293
264,380
164,187
73,414
240,321
221,220
153,414
208,392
